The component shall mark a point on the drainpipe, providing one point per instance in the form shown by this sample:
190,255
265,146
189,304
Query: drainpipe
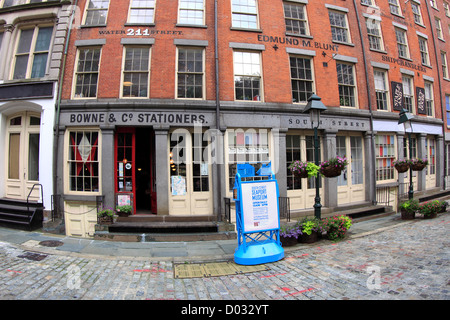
443,112
372,140
218,132
58,103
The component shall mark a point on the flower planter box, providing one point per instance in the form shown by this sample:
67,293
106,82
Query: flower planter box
311,238
430,216
288,241
407,214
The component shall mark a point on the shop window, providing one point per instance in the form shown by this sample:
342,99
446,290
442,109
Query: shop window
301,79
190,73
96,12
385,156
142,11
191,12
136,72
347,85
431,156
32,52
87,69
247,75
83,161
293,152
244,14
200,164
250,146
295,18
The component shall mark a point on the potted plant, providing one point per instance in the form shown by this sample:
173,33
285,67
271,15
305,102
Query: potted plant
333,167
408,209
444,205
418,164
105,216
303,169
401,165
430,209
337,226
124,211
310,230
289,235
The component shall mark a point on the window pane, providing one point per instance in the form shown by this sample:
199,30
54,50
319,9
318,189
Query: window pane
43,39
33,157
39,65
13,159
20,69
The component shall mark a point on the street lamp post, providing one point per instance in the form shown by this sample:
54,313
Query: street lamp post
314,107
405,119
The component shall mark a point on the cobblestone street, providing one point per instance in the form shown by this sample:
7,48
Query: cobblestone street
410,261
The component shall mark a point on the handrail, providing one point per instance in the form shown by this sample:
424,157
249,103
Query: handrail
29,194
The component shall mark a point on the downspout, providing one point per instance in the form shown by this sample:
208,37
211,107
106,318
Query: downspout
218,132
372,140
58,103
443,112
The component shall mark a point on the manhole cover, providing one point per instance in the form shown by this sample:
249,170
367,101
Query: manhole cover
33,256
51,243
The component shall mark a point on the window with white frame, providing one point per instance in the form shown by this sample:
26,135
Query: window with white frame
416,13
32,52
429,105
10,3
244,14
301,78
447,108
446,9
96,12
191,12
437,22
83,161
247,75
142,12
86,74
347,84
423,47
402,43
368,2
190,73
136,67
444,64
374,34
381,89
433,3
250,146
339,27
295,18
408,93
394,7
385,156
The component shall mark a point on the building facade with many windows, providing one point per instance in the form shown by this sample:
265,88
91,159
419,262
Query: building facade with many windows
32,38
162,99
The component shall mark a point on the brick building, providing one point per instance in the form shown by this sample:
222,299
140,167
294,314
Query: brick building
161,100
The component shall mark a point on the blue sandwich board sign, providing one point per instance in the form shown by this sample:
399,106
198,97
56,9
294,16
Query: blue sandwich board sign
257,217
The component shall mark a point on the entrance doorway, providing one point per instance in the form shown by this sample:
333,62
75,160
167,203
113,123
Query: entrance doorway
135,168
22,156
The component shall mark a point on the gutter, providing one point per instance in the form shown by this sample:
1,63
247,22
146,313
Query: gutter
443,112
58,103
372,140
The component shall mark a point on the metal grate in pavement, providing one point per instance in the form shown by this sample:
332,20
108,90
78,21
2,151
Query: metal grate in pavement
213,269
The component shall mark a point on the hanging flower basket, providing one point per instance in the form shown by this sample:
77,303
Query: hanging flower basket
302,169
418,164
333,167
330,172
301,174
401,165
